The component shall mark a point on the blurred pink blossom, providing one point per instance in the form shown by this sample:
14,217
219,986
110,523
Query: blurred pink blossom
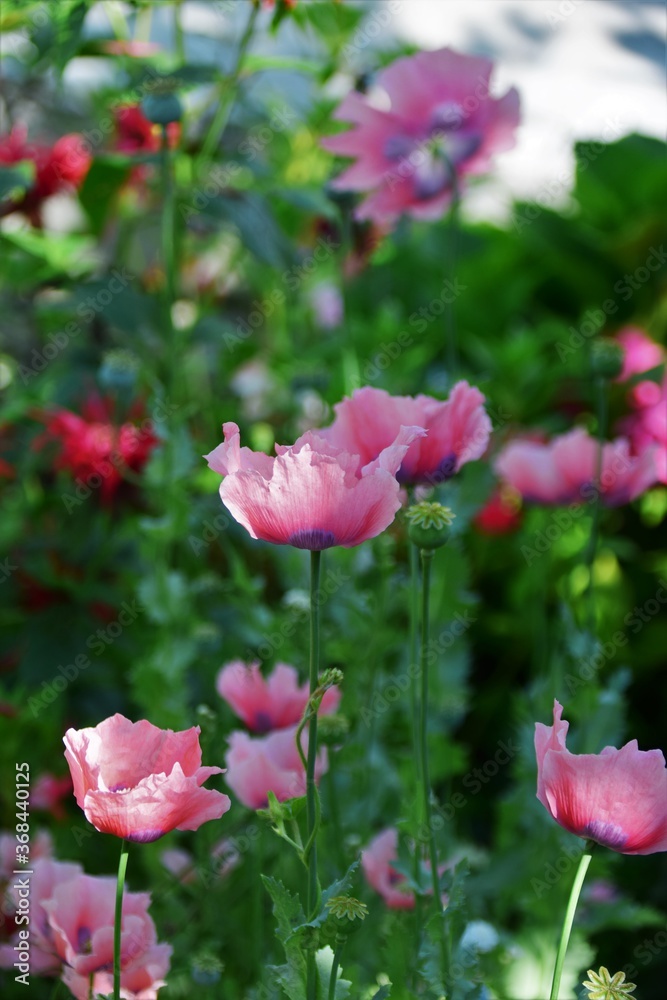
259,765
428,120
268,703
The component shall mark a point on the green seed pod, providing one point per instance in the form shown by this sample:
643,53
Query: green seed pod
429,524
606,358
162,109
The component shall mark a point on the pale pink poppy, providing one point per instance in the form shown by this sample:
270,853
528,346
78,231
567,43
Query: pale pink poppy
376,862
313,495
457,428
266,703
81,914
617,798
47,874
48,792
139,782
139,980
563,471
259,765
428,119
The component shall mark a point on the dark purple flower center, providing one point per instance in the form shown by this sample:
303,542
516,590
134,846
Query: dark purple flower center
314,539
607,834
120,787
263,722
145,836
83,937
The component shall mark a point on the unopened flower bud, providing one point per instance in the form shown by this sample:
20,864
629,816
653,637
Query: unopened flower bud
606,358
162,109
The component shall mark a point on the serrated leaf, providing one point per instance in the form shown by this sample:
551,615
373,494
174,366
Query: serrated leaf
337,888
289,915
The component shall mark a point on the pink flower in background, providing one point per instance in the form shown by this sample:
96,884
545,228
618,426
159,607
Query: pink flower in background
428,120
376,862
640,352
259,765
646,427
138,782
127,47
327,304
563,471
313,495
48,792
81,915
268,703
60,167
618,798
458,430
224,858
47,874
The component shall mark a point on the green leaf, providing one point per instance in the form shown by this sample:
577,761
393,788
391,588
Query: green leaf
16,179
256,225
289,915
383,992
337,888
256,64
324,961
98,191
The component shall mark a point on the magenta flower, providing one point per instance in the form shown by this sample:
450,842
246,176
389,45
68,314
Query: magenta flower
313,495
376,862
457,430
259,765
428,120
618,798
139,782
640,353
272,702
563,471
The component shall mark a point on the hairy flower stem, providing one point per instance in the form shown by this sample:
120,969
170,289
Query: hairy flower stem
584,862
120,885
426,561
312,812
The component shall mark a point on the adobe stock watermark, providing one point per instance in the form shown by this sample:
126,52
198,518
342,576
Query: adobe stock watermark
97,642
564,517
605,651
625,287
552,190
115,462
396,688
271,642
86,310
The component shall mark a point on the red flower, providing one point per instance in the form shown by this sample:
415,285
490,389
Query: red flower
501,514
618,798
139,782
94,450
135,134
58,168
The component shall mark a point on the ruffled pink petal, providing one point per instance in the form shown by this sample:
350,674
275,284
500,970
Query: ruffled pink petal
376,864
158,804
229,457
256,766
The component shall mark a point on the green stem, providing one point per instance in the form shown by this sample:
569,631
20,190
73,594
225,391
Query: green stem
312,804
450,313
225,103
335,964
426,560
90,985
179,37
600,385
584,862
120,885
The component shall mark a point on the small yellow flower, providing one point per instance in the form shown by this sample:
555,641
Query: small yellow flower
602,986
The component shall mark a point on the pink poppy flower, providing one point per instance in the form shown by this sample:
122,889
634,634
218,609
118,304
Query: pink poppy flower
428,119
563,471
268,703
81,914
313,495
618,798
376,862
259,765
139,782
47,874
457,430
